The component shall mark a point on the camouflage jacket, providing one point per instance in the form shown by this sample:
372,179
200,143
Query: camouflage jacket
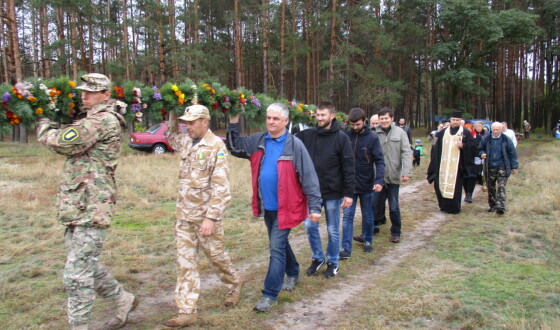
204,186
92,146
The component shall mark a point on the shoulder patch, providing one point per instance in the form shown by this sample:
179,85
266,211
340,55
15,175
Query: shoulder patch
221,155
70,135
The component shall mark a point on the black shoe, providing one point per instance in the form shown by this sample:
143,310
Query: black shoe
359,238
500,211
492,209
376,230
315,266
331,271
344,254
395,238
468,198
367,247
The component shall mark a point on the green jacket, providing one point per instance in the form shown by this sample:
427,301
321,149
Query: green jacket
92,145
397,153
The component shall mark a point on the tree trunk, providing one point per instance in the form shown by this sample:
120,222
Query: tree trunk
265,44
237,41
294,52
161,42
125,40
173,40
330,75
14,51
74,46
283,49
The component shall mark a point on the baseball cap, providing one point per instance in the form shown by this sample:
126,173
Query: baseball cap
418,141
195,112
95,82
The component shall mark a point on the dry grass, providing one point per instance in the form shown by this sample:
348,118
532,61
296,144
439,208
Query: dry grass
440,286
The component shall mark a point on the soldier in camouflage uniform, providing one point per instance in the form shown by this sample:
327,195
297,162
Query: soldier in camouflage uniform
86,199
499,152
203,196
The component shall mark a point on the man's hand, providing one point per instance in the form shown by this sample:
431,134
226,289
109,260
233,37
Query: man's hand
377,187
207,228
460,144
347,202
514,171
314,217
172,115
405,178
483,156
234,119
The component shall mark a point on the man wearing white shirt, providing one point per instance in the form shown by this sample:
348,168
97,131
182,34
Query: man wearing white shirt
509,133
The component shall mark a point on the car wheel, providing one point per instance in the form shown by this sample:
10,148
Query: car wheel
159,148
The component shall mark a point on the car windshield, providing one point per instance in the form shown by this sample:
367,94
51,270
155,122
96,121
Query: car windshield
153,129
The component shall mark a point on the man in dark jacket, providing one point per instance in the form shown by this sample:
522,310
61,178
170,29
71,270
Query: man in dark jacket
406,129
331,153
500,154
285,190
369,180
451,160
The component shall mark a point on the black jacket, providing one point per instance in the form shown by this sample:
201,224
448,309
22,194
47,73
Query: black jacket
367,153
331,153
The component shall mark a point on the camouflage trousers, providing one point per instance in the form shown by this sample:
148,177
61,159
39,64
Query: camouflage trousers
188,239
496,183
83,275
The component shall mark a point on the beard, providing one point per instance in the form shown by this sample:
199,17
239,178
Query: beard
323,124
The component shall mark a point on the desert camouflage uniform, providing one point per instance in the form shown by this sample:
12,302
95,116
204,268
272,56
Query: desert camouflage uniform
86,201
497,196
203,194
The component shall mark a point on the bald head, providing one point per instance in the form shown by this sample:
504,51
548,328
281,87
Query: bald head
496,129
374,121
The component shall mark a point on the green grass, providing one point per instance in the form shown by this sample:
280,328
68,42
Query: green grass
479,271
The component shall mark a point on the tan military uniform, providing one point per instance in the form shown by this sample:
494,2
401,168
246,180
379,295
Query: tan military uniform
203,194
86,201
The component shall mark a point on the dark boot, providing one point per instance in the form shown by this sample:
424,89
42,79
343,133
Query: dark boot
468,198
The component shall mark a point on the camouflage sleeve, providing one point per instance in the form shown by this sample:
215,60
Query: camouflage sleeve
75,138
219,184
174,135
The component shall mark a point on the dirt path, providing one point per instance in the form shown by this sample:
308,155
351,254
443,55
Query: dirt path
159,301
321,310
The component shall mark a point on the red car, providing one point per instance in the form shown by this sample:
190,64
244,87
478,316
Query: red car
155,139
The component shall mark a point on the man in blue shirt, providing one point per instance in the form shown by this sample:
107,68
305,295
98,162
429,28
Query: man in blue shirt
499,152
285,190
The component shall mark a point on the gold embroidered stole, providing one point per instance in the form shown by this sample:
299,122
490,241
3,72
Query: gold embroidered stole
449,164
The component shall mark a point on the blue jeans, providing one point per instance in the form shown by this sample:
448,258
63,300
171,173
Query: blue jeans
366,202
282,258
389,192
332,213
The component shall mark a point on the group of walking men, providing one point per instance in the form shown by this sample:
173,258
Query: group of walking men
293,179
457,157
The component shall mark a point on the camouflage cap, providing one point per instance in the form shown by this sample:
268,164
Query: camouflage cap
95,82
195,112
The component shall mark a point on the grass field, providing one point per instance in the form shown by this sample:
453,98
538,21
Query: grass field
478,271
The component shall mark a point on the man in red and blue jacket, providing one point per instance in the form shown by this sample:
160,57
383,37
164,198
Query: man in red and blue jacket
285,190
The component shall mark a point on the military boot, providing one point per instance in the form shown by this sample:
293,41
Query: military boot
234,294
179,321
126,303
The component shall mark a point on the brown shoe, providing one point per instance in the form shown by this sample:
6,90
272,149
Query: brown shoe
395,239
234,295
126,303
179,321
